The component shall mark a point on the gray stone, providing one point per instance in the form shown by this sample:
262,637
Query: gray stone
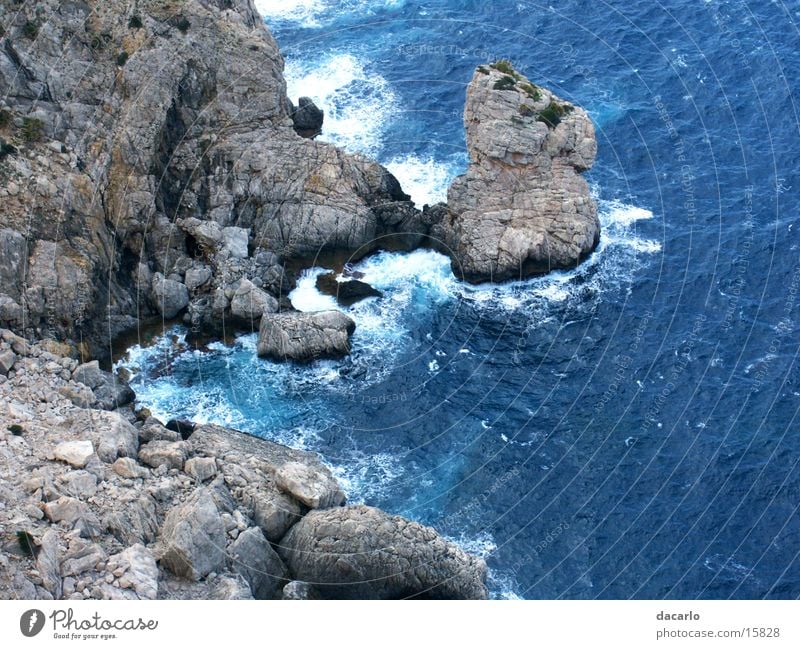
82,556
298,590
235,241
113,436
159,452
79,394
48,563
201,468
229,587
315,488
249,302
7,360
170,297
360,552
253,558
193,537
197,277
136,569
78,484
74,453
134,520
274,513
126,467
305,336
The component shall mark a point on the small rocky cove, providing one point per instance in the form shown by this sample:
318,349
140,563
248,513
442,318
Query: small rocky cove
190,190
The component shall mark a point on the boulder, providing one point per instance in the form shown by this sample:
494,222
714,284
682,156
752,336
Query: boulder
201,468
315,488
109,390
249,302
126,467
274,513
170,297
522,207
48,563
197,277
360,552
254,559
79,394
134,520
74,453
346,292
305,337
193,537
82,556
298,590
78,484
136,569
307,118
7,360
112,435
230,587
235,241
159,452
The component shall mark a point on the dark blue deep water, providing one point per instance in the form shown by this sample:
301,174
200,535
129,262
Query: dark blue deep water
624,430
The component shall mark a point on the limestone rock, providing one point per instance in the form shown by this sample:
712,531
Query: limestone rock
315,488
159,452
274,513
169,296
193,537
48,563
235,241
134,520
7,360
78,484
112,435
249,302
229,587
136,569
299,590
522,207
253,558
81,556
305,336
109,390
360,552
75,453
125,467
201,468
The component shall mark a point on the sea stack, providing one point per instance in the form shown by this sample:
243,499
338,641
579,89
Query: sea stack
522,208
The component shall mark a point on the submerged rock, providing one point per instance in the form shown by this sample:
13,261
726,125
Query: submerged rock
305,336
347,292
522,207
360,552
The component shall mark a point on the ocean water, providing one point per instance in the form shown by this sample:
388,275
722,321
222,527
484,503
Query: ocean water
626,429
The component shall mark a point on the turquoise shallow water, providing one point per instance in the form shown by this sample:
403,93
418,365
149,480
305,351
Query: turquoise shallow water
624,430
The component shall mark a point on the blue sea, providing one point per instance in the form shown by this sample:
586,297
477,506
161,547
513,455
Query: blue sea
624,430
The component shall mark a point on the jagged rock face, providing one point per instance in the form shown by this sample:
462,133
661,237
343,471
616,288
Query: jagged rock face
360,552
522,207
132,119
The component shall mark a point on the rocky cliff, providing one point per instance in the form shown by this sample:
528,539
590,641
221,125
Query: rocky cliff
522,207
150,165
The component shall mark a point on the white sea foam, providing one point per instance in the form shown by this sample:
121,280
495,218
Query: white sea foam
310,13
357,101
424,179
